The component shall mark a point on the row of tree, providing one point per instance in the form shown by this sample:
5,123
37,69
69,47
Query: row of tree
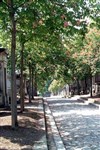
44,39
83,59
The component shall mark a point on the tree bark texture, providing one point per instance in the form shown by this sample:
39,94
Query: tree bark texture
30,80
13,75
91,85
22,88
78,87
35,84
32,83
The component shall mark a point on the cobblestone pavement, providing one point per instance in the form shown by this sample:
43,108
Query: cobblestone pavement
78,123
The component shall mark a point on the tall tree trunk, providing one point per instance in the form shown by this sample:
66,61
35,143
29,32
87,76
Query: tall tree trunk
35,84
30,79
91,85
85,86
32,83
22,81
78,87
13,75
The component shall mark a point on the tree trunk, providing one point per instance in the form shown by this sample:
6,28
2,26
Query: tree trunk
85,90
32,83
91,86
13,75
30,79
78,87
35,84
22,81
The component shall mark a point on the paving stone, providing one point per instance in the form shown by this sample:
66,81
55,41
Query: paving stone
78,124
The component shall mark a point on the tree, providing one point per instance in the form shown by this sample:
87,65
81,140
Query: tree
56,18
86,55
10,9
91,55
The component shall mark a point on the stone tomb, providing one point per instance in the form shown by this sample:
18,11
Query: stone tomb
3,77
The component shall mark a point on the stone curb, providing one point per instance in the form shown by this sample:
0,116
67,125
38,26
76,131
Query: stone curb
56,136
85,100
50,139
42,144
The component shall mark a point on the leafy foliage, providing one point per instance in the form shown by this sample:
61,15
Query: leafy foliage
53,32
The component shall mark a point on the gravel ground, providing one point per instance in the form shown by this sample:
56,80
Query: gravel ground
78,124
28,132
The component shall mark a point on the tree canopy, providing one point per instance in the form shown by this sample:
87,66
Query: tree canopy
54,37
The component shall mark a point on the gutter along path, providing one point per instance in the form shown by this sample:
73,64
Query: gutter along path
54,140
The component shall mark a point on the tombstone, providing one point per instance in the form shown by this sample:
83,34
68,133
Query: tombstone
3,77
97,84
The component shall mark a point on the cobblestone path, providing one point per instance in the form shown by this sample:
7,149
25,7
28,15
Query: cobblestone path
78,124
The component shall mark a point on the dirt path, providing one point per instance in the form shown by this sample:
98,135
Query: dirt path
28,131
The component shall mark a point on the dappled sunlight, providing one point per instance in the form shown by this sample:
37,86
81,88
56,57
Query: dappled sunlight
61,101
78,112
78,123
64,104
22,137
29,132
79,131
